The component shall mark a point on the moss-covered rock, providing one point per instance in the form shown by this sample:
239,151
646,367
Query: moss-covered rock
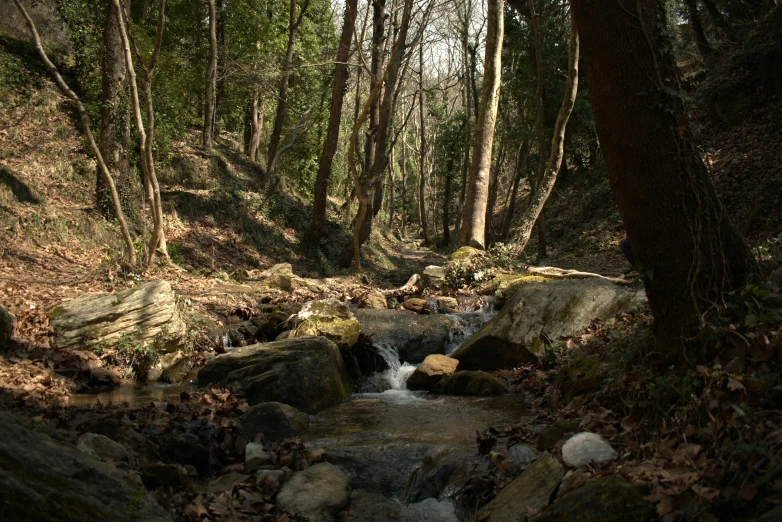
464,253
608,499
479,384
306,373
328,318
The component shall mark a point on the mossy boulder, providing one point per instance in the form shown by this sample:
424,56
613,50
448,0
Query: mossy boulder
478,384
529,491
504,286
306,373
47,480
328,318
463,253
541,311
608,499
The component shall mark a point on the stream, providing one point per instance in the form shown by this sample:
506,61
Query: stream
403,449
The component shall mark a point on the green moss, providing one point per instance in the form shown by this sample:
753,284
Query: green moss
464,252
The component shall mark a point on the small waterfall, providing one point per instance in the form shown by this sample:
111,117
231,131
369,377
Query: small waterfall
394,378
464,325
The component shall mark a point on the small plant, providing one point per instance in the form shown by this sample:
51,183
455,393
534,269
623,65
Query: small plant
479,266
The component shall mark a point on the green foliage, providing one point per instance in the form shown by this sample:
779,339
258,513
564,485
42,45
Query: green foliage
756,304
17,80
474,269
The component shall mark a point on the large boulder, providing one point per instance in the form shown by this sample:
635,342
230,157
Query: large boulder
307,373
320,492
145,314
429,372
329,318
479,384
414,335
608,499
44,479
541,311
434,277
274,420
529,491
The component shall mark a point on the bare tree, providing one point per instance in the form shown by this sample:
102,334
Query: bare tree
422,152
211,75
473,219
85,123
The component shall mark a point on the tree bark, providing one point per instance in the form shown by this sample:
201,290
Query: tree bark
473,221
422,158
220,67
341,74
548,175
112,121
694,18
282,96
256,126
686,248
494,179
403,162
85,124
392,187
466,94
211,73
521,165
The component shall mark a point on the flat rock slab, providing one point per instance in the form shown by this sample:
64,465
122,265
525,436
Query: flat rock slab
414,335
608,499
541,311
307,373
146,313
321,492
530,490
47,480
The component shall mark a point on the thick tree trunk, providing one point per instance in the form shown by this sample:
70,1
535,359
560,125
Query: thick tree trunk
466,96
85,124
547,176
422,158
376,68
282,96
686,248
694,18
494,179
112,120
341,74
211,73
473,221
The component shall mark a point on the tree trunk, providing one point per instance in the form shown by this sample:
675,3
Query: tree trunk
112,120
521,166
392,188
282,96
341,74
403,162
422,159
494,179
85,124
211,70
220,93
694,18
686,248
548,175
256,126
466,95
474,218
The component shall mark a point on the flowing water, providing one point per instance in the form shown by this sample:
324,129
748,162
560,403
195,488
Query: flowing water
389,442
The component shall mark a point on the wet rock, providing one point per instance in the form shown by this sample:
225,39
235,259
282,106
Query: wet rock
146,313
328,318
433,485
187,449
368,359
417,305
177,372
306,373
42,478
414,335
7,324
434,276
255,457
608,499
321,492
374,300
584,448
103,448
529,491
447,305
549,437
166,475
541,311
518,455
270,325
479,384
431,371
274,420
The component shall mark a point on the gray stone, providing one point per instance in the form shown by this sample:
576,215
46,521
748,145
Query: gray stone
414,335
374,300
434,276
274,420
306,373
321,492
530,490
269,480
478,384
255,457
541,311
608,499
45,479
225,483
518,455
329,318
549,437
7,324
146,313
584,448
176,372
283,269
102,447
431,371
